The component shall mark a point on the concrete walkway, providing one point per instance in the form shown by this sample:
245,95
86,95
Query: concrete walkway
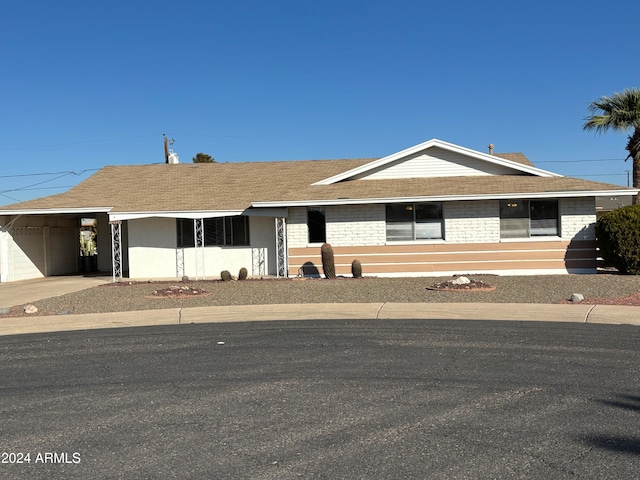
24,292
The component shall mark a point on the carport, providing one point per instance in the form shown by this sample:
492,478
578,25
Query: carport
45,242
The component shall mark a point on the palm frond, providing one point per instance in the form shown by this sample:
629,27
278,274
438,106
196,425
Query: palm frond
619,112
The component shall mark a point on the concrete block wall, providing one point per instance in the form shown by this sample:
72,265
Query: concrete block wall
356,225
359,225
472,221
297,234
578,218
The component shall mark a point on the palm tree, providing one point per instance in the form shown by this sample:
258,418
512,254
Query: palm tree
621,113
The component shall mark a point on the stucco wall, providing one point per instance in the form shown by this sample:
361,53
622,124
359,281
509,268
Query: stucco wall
152,248
153,251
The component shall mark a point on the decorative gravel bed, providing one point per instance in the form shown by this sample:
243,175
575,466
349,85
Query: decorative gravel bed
125,296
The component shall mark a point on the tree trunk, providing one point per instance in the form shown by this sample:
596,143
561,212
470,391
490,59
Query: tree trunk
636,178
633,147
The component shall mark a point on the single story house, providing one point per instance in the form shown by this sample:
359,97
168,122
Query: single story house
431,209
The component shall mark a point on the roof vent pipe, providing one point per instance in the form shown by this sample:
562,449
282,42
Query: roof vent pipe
491,149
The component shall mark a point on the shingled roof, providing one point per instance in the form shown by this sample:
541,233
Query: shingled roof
238,186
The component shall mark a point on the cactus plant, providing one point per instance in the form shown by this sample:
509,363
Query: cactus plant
242,274
328,263
225,275
356,269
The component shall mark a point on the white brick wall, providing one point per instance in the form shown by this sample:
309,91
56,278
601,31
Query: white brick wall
465,222
297,227
356,225
472,221
578,217
348,225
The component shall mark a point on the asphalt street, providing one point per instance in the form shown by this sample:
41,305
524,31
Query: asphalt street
357,399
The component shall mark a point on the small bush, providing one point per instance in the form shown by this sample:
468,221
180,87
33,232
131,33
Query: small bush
618,238
225,275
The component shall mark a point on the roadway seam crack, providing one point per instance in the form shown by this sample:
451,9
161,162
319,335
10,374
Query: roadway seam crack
586,318
378,311
180,316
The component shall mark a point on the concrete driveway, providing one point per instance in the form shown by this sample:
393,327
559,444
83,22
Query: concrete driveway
26,291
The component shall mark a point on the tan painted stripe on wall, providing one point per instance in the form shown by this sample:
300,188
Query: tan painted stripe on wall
463,267
441,247
464,257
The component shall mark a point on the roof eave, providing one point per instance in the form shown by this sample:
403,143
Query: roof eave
444,198
54,211
119,216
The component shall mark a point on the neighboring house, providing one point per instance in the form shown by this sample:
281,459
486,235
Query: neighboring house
610,203
432,209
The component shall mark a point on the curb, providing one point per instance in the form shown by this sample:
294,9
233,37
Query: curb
580,313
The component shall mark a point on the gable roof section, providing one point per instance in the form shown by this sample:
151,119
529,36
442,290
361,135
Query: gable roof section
461,162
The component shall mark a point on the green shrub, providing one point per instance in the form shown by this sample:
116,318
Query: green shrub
618,237
225,275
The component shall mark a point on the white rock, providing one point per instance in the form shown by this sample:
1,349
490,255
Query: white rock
577,297
460,281
30,309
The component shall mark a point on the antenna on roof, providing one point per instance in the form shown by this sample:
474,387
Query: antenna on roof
167,142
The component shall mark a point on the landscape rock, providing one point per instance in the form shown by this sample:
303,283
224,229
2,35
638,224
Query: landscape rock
460,281
577,297
30,308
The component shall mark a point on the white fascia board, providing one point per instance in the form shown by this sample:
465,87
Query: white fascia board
187,214
267,212
56,211
434,142
447,198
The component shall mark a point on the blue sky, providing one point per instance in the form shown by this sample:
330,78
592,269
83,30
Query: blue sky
88,84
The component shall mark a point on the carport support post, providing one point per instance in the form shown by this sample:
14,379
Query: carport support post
281,247
116,249
198,235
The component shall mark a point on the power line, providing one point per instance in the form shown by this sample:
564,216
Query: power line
581,161
40,188
70,172
35,184
605,175
80,142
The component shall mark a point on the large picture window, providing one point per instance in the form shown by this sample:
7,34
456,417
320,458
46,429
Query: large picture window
529,218
220,231
414,221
